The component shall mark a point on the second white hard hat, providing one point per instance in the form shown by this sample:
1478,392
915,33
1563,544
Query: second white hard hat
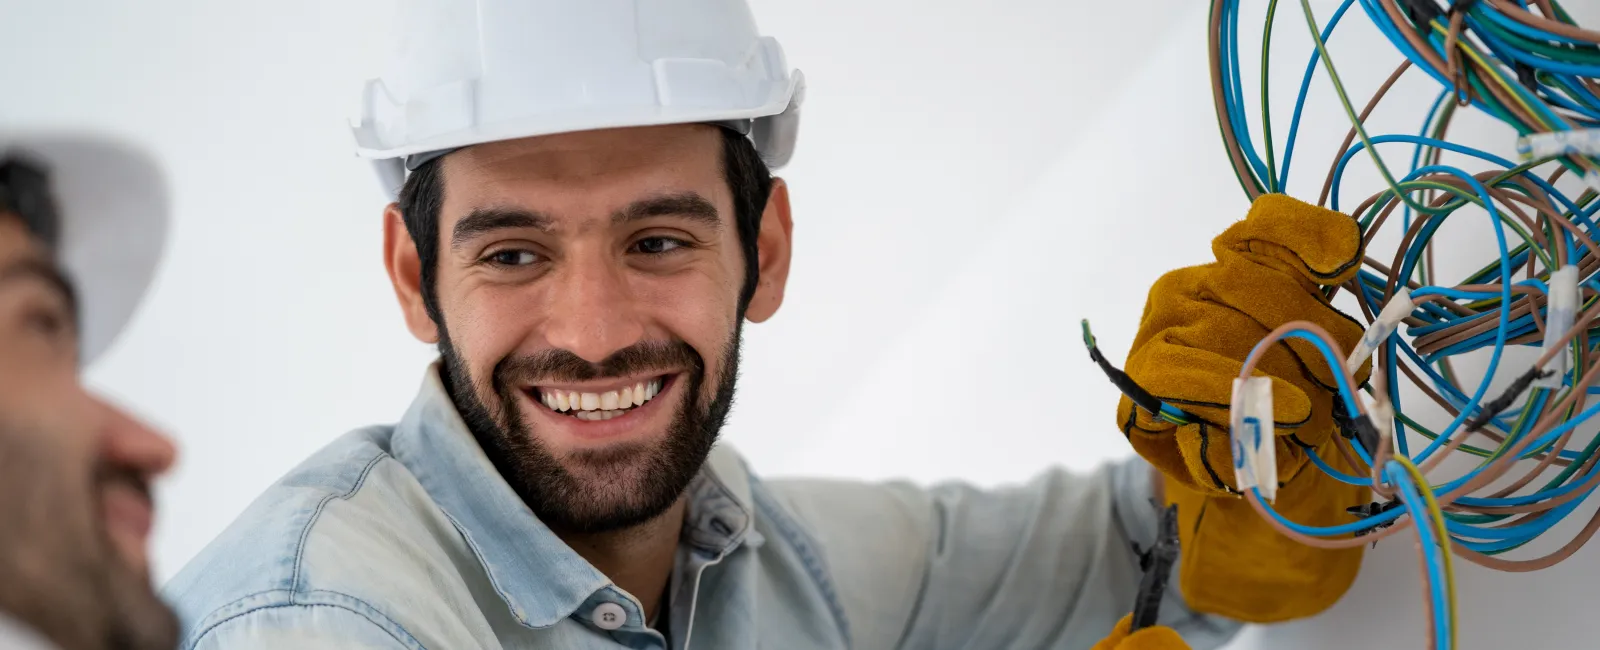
112,207
474,71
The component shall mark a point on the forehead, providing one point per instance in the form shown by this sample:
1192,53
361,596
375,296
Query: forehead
16,241
594,171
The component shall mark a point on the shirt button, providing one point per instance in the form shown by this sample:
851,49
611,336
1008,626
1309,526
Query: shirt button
609,616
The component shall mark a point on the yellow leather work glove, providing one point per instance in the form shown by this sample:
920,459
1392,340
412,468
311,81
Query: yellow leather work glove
1151,638
1198,327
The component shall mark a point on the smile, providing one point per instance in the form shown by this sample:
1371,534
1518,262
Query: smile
600,404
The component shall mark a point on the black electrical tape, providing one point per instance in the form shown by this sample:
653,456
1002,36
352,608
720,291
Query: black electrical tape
1141,397
1157,564
1366,434
1503,402
1422,12
1341,419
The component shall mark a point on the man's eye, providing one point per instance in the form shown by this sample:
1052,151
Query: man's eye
657,245
512,258
51,323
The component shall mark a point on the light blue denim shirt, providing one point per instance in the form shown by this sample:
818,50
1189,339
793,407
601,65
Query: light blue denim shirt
405,537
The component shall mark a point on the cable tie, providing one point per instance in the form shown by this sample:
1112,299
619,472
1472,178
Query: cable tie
1560,313
1372,510
1255,458
1396,310
1488,411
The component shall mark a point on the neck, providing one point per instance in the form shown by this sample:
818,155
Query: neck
638,559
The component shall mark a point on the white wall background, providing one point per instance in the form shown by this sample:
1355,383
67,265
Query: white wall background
973,178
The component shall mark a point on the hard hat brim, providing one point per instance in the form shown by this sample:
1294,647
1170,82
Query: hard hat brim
114,210
573,121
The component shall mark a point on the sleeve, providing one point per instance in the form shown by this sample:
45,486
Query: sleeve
1047,564
303,627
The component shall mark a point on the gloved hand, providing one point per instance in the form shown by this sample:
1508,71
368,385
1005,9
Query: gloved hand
1150,638
1198,327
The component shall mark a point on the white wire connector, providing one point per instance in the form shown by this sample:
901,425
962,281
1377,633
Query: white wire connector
1562,311
1398,307
1559,143
1381,413
1255,456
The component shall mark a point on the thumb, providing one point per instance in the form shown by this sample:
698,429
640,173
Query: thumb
1154,638
1118,633
1320,245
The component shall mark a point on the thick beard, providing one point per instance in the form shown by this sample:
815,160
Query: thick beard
60,574
644,479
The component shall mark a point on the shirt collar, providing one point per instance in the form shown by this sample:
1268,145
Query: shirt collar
16,636
540,578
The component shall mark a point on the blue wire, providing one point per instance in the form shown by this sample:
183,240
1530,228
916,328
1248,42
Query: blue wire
1305,87
1431,549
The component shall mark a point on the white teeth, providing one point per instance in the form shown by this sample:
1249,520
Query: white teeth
601,406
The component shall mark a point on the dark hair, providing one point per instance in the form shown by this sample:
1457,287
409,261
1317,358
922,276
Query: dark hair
749,181
25,192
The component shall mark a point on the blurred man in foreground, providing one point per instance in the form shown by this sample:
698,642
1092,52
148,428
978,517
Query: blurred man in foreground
81,224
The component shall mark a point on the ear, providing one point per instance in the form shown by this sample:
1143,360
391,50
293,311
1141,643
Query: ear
405,272
773,244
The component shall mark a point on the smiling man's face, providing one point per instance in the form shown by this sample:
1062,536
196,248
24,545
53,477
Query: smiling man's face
74,474
589,289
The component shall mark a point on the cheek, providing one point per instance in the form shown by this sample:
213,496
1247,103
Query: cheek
50,402
490,323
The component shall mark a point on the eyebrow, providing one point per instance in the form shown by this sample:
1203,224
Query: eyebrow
38,270
486,220
683,204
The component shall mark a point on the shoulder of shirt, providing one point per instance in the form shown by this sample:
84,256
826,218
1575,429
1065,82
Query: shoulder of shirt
312,538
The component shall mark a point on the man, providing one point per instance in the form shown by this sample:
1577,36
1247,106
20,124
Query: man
585,219
75,472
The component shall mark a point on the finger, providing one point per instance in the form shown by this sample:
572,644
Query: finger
1200,381
1271,298
1321,246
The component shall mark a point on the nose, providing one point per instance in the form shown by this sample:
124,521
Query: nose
592,312
129,443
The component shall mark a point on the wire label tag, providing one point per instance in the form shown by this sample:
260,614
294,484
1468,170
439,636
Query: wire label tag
1562,311
1255,457
1559,143
1396,310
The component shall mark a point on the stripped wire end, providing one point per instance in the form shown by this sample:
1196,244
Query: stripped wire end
1141,397
1503,402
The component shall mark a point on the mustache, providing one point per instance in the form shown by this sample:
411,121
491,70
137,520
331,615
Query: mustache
112,474
564,366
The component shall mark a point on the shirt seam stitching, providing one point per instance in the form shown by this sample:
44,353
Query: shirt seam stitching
305,533
803,547
388,623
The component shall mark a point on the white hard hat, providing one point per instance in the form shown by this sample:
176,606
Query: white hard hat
112,207
474,71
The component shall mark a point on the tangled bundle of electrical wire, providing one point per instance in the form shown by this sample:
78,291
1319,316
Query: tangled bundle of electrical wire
1527,64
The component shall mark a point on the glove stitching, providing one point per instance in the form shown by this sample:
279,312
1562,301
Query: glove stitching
1205,459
